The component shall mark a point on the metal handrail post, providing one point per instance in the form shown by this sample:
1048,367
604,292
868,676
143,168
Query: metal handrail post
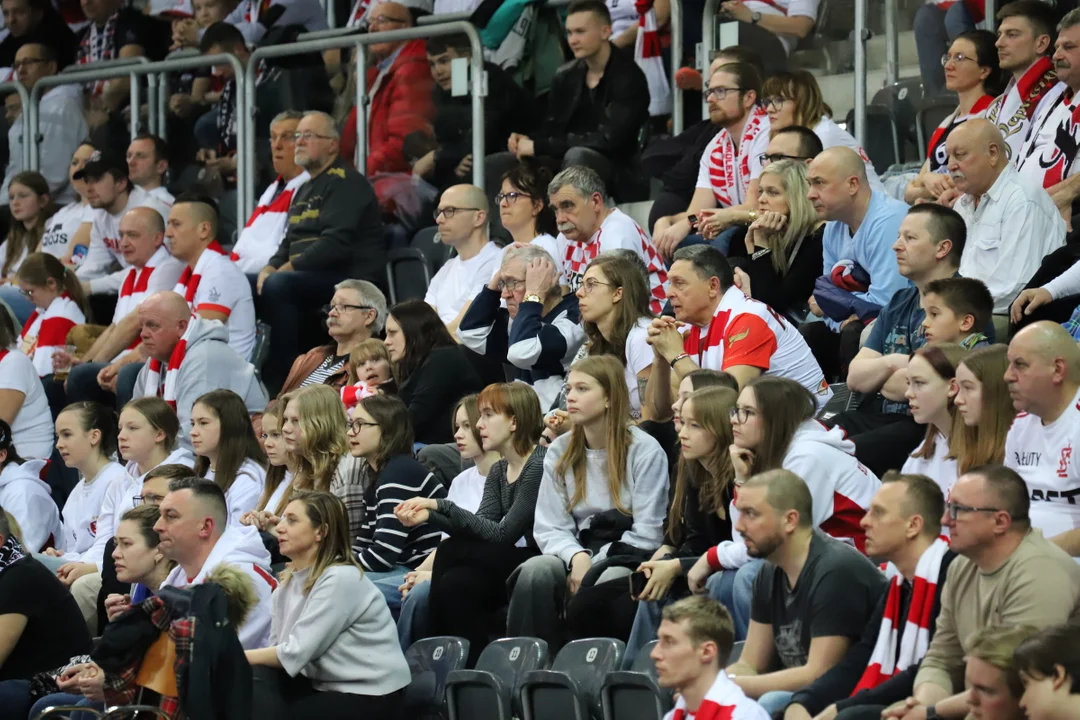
477,84
163,106
860,71
990,21
676,27
360,159
331,33
24,98
892,43
708,42
134,93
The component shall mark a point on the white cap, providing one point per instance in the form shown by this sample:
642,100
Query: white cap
171,8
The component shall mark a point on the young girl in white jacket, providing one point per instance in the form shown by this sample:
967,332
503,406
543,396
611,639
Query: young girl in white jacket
228,451
25,497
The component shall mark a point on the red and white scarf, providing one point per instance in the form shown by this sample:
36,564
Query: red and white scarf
647,55
729,169
167,392
914,641
266,227
188,284
45,331
98,44
724,701
358,18
1012,110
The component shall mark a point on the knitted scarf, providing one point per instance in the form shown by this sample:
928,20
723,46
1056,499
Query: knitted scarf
172,370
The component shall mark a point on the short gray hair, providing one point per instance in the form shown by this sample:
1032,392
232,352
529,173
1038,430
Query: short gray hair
370,296
583,179
333,128
526,253
287,115
1071,19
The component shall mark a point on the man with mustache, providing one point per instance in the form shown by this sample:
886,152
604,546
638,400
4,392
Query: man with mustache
1011,223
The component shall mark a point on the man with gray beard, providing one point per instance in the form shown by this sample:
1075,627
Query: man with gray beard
334,232
1012,224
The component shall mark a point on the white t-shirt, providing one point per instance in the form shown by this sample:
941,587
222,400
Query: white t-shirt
220,286
939,468
459,281
1043,456
639,355
104,249
279,492
623,15
62,226
83,507
163,194
467,490
790,8
243,495
32,430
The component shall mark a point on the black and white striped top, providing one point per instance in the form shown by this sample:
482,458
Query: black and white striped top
506,510
383,543
332,365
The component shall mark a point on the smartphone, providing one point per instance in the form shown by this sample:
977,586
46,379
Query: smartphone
638,581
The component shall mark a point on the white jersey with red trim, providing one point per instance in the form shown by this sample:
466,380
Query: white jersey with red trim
727,171
266,227
104,249
216,284
46,331
724,701
1048,155
159,273
1043,455
744,331
618,231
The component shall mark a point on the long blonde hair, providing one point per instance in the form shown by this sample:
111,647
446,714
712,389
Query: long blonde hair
610,374
325,442
275,475
325,511
984,443
801,214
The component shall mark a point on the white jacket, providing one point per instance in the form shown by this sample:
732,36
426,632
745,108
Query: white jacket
242,548
243,495
29,500
63,126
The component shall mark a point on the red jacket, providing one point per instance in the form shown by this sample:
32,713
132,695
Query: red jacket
402,105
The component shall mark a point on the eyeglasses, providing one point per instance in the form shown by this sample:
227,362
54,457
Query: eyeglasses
767,158
342,307
28,294
741,414
149,499
590,285
721,92
307,136
957,58
510,284
355,426
776,102
449,211
385,20
27,62
510,197
953,510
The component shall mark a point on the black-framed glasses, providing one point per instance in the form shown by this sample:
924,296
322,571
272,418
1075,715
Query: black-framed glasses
510,197
953,510
510,284
741,414
957,58
342,307
449,211
27,62
385,20
776,102
355,426
767,158
590,285
148,499
722,92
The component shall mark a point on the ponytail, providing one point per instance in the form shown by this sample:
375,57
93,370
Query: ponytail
38,268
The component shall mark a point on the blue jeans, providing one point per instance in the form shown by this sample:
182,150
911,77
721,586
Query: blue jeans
82,385
388,583
14,299
935,29
721,242
412,624
62,700
775,701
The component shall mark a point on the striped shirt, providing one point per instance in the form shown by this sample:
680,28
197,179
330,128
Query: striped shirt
506,511
383,543
332,365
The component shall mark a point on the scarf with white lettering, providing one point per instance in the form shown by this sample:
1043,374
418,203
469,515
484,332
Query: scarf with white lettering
914,640
167,392
729,169
188,284
1012,111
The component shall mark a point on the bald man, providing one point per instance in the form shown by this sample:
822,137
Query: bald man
1011,223
334,232
1044,384
215,288
97,373
462,218
180,373
863,225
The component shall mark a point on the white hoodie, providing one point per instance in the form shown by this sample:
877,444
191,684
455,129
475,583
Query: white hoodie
242,548
243,495
83,509
841,488
63,126
29,500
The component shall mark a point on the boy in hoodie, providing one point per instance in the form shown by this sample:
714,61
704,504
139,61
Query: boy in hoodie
956,309
190,356
26,497
194,534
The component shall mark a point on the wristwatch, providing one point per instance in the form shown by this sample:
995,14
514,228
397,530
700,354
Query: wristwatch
755,17
532,298
931,713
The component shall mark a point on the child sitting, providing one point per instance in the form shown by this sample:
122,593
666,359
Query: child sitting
956,308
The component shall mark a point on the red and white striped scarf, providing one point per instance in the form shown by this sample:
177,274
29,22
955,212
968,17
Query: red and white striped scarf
167,392
1012,110
729,169
98,44
45,331
188,284
647,55
724,701
915,639
358,18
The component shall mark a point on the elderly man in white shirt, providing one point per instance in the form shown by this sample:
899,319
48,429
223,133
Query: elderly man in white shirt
1012,224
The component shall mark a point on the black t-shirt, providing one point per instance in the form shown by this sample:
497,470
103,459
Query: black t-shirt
835,595
55,630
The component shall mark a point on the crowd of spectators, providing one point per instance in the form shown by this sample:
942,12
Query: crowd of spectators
797,410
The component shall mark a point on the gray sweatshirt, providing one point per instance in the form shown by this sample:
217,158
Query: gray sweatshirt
644,494
340,635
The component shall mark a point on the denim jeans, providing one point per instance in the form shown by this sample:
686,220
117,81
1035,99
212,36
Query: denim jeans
775,701
82,385
388,583
13,297
412,622
935,29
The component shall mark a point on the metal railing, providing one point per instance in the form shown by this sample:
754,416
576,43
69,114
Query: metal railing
133,89
861,36
477,87
109,70
24,98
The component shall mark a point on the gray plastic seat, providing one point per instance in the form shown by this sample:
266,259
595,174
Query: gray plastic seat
736,651
570,690
493,689
635,694
431,661
408,274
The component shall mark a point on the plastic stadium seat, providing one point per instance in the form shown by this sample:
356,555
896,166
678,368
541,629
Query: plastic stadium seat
902,98
431,661
736,652
931,114
262,346
436,251
881,140
636,694
571,689
408,274
493,689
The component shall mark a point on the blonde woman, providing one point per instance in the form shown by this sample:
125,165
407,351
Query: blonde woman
781,255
